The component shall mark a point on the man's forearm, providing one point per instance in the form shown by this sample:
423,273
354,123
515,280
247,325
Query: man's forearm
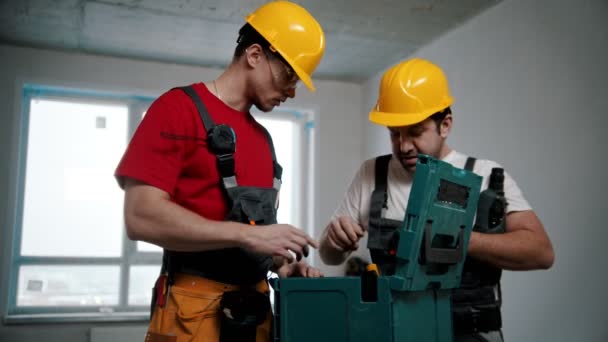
516,250
524,246
166,224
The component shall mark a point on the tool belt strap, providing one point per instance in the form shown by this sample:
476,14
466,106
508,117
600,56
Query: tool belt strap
204,285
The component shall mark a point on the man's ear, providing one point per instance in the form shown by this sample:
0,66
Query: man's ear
253,55
445,126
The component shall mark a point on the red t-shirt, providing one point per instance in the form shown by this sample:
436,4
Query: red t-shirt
169,151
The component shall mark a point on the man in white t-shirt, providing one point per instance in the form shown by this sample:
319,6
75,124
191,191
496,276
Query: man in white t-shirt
414,103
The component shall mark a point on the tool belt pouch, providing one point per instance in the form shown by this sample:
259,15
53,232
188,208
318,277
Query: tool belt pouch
467,322
475,310
241,312
252,205
382,242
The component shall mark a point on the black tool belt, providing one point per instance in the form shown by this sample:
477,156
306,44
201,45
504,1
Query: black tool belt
476,310
241,313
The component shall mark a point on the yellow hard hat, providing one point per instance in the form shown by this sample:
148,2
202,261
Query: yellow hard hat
294,33
410,92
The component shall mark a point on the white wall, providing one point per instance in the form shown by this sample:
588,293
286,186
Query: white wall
338,136
530,84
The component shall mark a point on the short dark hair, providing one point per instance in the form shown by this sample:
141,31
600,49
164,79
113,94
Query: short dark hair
439,116
249,36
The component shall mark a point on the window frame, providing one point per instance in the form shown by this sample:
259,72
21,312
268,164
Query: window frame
130,256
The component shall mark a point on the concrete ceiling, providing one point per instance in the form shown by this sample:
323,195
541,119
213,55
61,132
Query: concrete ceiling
363,36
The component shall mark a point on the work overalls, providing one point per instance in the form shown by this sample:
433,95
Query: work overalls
476,303
219,295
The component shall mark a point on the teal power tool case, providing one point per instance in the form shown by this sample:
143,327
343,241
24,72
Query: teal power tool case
414,303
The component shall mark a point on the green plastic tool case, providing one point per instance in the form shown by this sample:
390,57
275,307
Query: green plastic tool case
414,303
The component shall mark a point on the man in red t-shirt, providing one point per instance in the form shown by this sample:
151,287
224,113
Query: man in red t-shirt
218,228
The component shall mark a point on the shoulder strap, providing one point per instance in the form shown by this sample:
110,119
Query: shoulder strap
379,196
225,162
208,123
470,164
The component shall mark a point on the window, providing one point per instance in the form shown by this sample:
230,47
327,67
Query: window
70,255
292,135
71,259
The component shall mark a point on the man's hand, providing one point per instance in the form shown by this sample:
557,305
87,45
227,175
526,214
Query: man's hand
343,234
278,240
298,269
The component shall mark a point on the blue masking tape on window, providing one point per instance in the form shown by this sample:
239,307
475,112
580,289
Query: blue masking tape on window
42,90
298,115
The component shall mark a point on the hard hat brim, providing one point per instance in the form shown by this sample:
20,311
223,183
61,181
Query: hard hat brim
406,119
304,77
392,120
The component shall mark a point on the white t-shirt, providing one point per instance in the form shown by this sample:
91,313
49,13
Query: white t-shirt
356,201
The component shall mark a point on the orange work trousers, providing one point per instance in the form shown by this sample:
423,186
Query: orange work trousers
192,314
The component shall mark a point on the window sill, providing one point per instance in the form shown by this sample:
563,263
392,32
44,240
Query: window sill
76,318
